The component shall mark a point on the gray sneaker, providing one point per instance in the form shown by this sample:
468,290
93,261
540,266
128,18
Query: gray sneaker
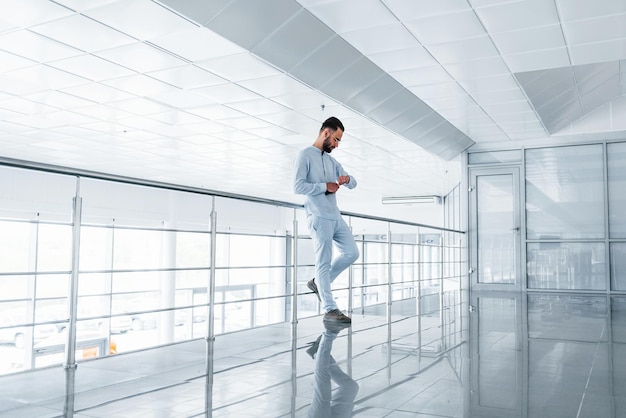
313,287
312,350
336,315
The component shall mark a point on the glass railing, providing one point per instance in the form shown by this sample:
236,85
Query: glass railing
158,265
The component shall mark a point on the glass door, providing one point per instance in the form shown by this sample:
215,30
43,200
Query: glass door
495,228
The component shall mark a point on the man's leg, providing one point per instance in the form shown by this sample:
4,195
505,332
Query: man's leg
322,395
348,250
342,402
322,236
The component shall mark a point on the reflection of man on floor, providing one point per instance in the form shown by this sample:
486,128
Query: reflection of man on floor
327,404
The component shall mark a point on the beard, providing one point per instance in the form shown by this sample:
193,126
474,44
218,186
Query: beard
326,146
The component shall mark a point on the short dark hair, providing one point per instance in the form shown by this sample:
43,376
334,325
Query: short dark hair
333,123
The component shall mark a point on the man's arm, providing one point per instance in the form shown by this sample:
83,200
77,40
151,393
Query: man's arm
344,179
300,183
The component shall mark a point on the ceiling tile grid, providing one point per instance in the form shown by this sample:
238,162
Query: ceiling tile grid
182,91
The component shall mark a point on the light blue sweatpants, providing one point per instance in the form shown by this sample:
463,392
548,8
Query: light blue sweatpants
325,232
327,403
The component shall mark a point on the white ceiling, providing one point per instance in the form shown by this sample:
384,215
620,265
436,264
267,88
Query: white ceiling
222,94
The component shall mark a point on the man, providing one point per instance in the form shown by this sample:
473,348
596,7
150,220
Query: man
319,176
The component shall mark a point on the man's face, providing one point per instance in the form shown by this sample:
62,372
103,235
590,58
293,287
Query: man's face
331,140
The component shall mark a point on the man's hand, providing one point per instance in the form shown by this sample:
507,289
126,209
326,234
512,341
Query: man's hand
331,187
343,180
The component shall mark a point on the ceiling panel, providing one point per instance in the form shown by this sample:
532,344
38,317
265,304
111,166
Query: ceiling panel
72,30
140,57
92,67
335,54
239,20
28,44
290,43
155,21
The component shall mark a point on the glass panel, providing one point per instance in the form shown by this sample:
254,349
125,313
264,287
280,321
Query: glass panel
53,310
193,279
238,316
565,192
553,265
52,285
94,284
14,287
494,157
139,249
96,244
375,252
374,295
253,236
572,318
136,281
430,298
108,203
616,155
193,249
36,195
496,229
250,250
54,248
134,302
375,274
16,251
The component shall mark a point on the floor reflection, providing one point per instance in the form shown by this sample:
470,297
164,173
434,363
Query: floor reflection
547,355
513,355
329,401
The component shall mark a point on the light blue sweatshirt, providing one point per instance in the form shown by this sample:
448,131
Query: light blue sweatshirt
313,169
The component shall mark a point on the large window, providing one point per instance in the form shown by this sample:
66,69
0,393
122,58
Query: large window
565,218
35,262
565,192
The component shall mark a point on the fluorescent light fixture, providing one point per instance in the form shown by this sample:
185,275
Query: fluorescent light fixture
407,200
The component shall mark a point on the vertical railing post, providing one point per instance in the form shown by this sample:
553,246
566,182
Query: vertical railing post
459,274
389,284
294,316
389,300
294,276
418,296
350,279
441,293
213,261
70,347
210,338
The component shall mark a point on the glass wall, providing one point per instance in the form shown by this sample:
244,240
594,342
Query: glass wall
565,218
155,264
616,157
575,230
35,262
565,192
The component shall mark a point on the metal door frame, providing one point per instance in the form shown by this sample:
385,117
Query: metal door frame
514,171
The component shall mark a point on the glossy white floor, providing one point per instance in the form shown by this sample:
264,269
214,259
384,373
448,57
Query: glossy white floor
535,355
